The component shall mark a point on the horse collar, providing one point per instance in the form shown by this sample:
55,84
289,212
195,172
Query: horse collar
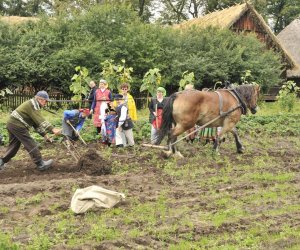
241,105
240,100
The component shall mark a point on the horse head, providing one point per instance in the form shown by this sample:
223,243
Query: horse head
252,105
250,95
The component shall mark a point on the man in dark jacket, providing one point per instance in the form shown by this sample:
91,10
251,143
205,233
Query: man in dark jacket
28,115
90,97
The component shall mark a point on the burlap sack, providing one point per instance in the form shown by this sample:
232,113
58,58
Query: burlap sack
94,196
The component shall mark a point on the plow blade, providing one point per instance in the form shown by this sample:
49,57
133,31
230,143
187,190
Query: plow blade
72,150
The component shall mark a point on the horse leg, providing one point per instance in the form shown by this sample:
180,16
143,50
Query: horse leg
227,126
216,147
171,148
216,144
178,130
239,146
172,137
169,141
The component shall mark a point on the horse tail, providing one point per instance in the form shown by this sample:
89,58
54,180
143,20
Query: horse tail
167,118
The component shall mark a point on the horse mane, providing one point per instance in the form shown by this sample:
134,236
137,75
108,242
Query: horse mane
245,91
167,118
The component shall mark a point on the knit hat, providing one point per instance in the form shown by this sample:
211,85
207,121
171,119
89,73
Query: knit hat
43,94
162,90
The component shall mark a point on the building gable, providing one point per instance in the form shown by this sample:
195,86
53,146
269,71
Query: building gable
242,19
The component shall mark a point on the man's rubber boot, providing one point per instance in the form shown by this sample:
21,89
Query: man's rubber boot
44,165
1,164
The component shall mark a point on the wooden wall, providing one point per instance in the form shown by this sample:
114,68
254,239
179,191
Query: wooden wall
248,24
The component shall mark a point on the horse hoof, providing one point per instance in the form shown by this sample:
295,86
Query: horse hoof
166,154
240,150
178,155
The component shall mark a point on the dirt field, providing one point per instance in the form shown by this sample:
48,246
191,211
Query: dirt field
202,201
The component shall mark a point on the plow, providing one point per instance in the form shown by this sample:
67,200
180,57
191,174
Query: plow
70,146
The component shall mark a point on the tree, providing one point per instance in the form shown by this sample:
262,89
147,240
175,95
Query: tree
282,12
44,54
151,81
79,86
25,7
278,13
144,8
187,78
116,74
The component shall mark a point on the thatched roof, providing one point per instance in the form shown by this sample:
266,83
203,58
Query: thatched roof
17,19
222,19
290,39
226,18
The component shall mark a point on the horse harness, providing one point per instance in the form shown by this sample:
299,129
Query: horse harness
241,105
238,98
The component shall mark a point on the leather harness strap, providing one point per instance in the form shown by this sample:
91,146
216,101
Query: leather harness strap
234,93
220,103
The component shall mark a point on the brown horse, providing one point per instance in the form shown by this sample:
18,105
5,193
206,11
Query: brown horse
222,108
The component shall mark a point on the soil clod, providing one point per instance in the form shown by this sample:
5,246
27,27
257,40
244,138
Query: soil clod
93,164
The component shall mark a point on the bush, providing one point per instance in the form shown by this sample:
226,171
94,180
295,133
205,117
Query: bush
44,54
287,96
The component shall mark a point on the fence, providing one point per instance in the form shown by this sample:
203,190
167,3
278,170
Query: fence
60,101
18,97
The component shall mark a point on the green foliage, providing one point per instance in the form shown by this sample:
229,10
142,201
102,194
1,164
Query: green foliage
40,241
282,13
151,81
79,86
246,76
44,54
287,95
6,242
187,78
3,130
116,74
220,55
36,199
175,201
142,130
4,92
279,124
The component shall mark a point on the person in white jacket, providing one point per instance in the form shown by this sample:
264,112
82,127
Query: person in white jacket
124,133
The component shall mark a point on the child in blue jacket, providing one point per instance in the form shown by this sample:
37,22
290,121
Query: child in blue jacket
73,122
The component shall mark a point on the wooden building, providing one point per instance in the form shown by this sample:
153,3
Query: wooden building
290,39
243,19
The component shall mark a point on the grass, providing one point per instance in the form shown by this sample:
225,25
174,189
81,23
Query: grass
36,199
230,201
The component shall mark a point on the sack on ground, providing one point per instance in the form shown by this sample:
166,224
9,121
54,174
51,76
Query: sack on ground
94,196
